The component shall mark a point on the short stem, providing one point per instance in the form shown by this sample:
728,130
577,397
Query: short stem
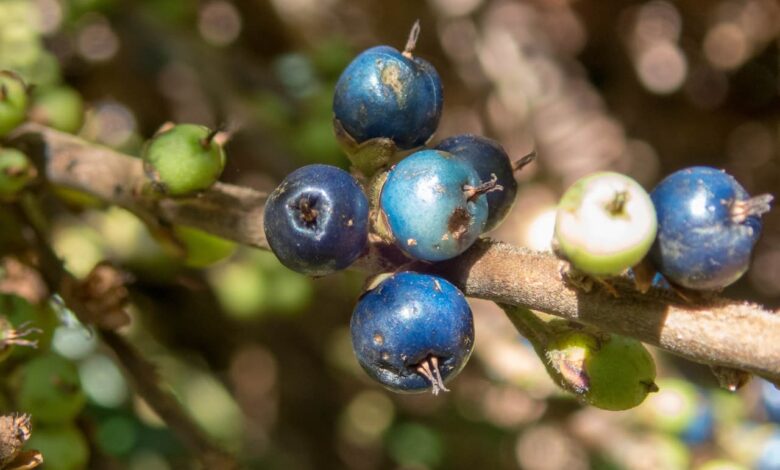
472,192
529,325
206,141
411,42
518,165
618,203
3,93
758,205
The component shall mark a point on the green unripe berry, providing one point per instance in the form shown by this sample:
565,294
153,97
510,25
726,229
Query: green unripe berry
611,372
59,107
13,101
62,447
605,224
184,159
16,171
202,248
50,389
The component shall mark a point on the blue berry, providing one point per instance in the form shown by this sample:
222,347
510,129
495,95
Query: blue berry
413,332
316,220
490,160
384,93
707,227
434,204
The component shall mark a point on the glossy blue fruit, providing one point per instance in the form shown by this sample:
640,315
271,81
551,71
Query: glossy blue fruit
707,227
386,93
489,158
434,205
413,332
316,220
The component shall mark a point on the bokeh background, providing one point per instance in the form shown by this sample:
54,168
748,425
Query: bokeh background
261,356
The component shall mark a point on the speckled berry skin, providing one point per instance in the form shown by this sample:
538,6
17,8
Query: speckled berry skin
699,244
316,220
382,93
426,208
406,318
489,158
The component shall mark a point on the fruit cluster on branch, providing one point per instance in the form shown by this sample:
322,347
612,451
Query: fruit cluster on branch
716,331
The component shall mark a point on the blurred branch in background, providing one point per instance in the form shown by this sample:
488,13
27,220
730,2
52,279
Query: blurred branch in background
718,331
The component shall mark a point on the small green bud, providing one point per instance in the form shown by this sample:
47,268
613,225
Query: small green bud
184,159
60,107
13,101
16,171
50,388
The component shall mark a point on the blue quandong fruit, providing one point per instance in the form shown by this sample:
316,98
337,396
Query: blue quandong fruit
413,332
316,220
490,160
707,227
434,204
384,93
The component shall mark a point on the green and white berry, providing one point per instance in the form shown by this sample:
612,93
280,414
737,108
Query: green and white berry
605,223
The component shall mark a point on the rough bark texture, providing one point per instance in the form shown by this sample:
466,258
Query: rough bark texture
716,331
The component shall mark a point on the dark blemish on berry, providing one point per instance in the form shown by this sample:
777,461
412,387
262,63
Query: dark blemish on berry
458,222
616,207
71,165
379,340
118,190
575,375
307,212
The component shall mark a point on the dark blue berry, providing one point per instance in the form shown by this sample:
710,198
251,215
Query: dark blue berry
413,332
490,160
316,220
384,93
434,204
707,227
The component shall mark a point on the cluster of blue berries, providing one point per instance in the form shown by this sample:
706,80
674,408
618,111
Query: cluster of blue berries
411,332
698,225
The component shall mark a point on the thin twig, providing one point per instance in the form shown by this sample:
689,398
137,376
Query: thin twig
719,332
141,372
